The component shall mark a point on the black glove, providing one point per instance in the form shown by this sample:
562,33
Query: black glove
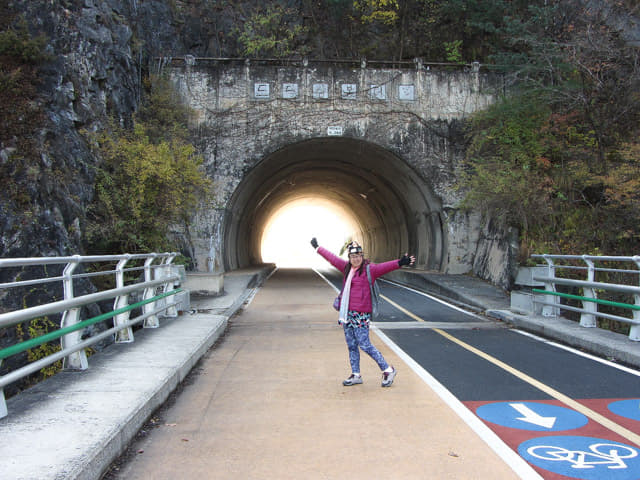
405,260
314,242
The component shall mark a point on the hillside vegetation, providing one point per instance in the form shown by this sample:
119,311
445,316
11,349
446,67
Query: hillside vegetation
558,157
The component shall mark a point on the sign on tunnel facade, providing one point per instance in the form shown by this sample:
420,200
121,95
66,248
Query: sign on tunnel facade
268,130
428,92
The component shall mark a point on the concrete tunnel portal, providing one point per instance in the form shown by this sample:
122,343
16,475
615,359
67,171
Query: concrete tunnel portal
391,208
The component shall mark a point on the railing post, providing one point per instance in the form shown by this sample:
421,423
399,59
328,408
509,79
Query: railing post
166,271
76,360
171,269
588,318
151,321
3,404
550,286
634,332
126,334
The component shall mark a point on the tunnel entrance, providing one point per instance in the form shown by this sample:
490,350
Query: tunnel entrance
383,201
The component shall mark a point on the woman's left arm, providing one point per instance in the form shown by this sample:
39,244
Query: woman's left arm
379,269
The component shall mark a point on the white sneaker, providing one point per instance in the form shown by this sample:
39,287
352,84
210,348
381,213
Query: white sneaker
352,380
387,377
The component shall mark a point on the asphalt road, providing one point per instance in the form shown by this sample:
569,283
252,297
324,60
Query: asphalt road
471,379
581,412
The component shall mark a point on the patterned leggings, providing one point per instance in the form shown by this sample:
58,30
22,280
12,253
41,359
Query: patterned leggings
359,337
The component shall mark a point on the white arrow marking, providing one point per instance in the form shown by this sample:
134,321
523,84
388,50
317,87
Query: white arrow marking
530,416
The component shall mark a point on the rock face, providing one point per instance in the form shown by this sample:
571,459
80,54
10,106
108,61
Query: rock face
92,74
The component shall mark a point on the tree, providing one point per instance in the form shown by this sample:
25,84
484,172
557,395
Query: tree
507,174
151,179
383,11
273,32
577,80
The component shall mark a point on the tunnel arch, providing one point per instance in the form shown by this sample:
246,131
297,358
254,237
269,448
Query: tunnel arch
394,208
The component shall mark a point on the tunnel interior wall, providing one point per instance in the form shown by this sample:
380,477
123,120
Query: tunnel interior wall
389,202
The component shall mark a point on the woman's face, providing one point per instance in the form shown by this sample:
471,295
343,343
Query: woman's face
355,259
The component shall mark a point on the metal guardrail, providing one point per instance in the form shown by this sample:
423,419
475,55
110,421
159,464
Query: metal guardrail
154,275
416,63
550,297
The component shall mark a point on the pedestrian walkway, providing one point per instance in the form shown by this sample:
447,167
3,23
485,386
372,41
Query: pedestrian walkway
73,425
268,403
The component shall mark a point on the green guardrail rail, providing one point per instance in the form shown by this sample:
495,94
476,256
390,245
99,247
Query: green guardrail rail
587,299
47,337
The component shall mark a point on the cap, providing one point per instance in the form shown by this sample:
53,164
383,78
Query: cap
355,248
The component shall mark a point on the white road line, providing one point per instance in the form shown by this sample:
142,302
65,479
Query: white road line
521,332
435,299
510,457
527,334
578,352
326,280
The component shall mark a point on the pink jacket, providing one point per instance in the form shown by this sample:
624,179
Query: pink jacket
360,295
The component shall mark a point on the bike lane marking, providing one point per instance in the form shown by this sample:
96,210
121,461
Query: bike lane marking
571,403
586,458
533,416
629,408
603,455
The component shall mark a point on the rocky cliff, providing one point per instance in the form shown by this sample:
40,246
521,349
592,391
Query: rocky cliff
94,72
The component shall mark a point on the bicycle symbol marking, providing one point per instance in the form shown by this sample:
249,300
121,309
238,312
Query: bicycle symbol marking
608,454
587,458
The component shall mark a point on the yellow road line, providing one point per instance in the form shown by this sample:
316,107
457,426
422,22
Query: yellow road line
402,309
595,416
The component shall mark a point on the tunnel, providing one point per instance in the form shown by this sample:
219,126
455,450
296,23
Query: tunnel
392,209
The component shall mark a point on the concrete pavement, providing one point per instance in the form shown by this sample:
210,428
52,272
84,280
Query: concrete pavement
268,402
75,424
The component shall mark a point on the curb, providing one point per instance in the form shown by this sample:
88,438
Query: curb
106,454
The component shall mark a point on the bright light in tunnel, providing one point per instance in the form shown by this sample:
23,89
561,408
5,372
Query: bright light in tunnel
286,237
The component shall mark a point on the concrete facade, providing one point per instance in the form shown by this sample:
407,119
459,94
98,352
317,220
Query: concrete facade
382,142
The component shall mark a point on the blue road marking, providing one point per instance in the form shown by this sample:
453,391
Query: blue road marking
586,458
540,417
626,408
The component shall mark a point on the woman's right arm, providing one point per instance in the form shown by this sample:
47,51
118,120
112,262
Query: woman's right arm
334,260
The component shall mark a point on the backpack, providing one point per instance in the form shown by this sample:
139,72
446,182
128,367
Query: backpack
375,296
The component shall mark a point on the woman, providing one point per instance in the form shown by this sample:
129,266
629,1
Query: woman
355,306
